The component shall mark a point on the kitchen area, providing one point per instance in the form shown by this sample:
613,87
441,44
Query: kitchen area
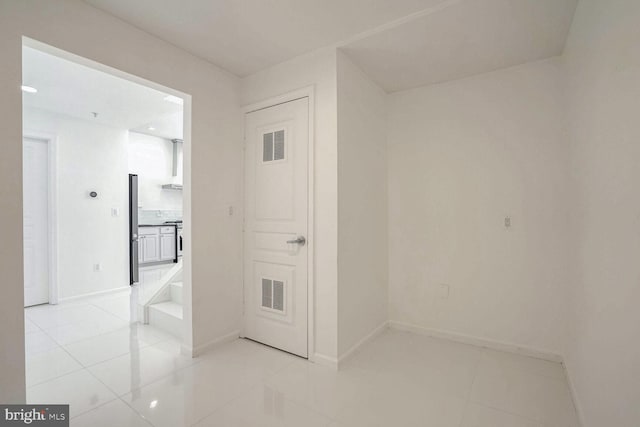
155,205
102,216
160,242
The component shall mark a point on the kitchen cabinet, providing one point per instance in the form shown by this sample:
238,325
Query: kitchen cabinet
150,245
167,247
156,243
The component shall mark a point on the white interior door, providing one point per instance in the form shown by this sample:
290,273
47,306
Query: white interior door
276,201
36,221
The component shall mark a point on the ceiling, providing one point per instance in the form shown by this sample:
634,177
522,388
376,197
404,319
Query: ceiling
245,36
400,43
466,38
68,88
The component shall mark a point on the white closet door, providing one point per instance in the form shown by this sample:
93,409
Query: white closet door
35,221
276,220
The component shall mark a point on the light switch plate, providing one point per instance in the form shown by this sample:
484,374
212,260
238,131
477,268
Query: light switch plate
443,291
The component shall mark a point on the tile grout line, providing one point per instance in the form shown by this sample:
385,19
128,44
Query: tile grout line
250,387
476,370
198,361
117,356
524,417
120,396
173,372
58,346
331,419
83,368
73,324
229,402
107,311
148,421
504,411
98,335
86,368
58,376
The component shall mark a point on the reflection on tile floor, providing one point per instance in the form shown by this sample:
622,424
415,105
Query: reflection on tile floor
116,372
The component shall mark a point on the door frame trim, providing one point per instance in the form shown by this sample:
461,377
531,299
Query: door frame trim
309,93
52,208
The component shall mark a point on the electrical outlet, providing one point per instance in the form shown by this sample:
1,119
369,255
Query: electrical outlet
230,210
507,221
115,211
97,267
443,291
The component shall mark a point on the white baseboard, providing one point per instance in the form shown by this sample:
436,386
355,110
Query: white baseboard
324,360
574,395
203,348
369,337
480,342
93,294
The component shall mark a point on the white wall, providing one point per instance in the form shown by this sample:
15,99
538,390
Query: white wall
462,155
89,157
362,205
213,265
317,69
602,355
151,158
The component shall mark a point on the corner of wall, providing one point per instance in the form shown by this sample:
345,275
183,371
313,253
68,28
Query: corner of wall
362,206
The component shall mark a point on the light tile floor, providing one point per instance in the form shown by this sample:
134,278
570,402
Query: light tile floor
116,372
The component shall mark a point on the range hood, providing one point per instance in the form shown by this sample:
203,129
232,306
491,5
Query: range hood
174,169
172,186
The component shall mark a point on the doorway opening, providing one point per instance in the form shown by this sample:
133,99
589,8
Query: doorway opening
39,219
103,167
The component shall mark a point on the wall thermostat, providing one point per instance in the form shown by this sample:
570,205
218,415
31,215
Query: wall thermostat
93,194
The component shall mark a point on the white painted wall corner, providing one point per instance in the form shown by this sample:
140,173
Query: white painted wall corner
206,347
574,395
324,360
377,331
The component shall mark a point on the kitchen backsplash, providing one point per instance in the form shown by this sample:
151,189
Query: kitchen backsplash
157,216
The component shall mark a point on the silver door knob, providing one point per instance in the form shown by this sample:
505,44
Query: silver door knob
300,241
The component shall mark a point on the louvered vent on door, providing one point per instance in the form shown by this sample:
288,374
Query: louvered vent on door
267,147
273,294
267,287
273,146
278,295
278,146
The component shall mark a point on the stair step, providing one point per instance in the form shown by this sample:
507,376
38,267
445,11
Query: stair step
167,316
176,292
170,308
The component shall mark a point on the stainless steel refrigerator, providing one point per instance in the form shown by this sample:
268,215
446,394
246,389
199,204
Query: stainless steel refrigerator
133,229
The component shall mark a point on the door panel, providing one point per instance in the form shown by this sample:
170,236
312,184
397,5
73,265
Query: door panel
134,244
167,246
276,201
36,221
151,247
